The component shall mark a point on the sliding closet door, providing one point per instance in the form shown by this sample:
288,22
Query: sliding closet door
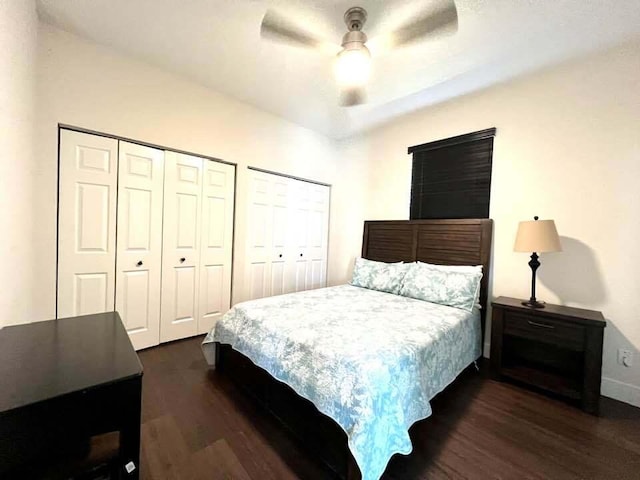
181,246
86,224
139,242
218,188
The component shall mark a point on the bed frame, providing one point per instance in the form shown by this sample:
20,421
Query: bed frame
444,242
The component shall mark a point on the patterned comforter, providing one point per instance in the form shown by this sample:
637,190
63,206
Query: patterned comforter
369,360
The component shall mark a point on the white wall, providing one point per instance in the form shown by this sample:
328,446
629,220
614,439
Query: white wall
18,43
567,148
85,85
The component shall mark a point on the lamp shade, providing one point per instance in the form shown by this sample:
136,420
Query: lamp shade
537,236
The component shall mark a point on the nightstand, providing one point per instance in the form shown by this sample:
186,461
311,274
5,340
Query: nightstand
556,349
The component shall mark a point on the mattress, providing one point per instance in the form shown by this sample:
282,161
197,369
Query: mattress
370,360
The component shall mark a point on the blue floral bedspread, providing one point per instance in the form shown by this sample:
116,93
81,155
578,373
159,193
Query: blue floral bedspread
369,360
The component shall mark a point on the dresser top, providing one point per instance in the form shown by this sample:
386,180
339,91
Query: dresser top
558,311
43,360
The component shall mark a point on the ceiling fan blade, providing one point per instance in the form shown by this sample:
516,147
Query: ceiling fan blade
350,97
442,20
277,27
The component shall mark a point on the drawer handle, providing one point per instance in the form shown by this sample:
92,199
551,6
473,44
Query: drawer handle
543,325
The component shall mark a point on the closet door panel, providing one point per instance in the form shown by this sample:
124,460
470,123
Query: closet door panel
86,224
281,253
133,301
185,294
270,252
318,238
299,205
216,247
139,242
310,207
318,273
214,295
279,284
259,252
301,275
91,293
181,246
258,283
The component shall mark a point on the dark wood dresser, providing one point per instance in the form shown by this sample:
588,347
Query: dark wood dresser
556,349
63,384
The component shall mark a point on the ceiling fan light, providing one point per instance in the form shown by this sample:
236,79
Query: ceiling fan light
353,66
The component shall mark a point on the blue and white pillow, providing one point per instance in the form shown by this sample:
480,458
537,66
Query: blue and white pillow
455,286
381,276
459,268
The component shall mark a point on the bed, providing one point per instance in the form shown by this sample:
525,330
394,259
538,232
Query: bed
349,370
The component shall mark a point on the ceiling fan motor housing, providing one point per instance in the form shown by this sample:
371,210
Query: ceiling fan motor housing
355,18
354,40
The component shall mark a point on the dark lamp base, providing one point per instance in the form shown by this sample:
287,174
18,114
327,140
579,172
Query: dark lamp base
533,304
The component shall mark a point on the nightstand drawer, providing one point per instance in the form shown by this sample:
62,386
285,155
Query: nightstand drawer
544,329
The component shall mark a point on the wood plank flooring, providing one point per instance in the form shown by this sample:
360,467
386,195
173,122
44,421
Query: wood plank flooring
198,425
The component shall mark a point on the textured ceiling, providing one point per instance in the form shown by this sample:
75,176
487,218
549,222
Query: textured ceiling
217,43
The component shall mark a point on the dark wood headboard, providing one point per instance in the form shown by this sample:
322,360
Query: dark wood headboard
442,242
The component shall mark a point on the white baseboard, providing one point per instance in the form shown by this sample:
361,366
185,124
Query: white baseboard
625,392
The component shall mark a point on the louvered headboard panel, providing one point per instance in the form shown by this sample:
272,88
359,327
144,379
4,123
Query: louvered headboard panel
443,242
446,244
389,242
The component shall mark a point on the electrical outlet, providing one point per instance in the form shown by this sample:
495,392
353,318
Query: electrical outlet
625,357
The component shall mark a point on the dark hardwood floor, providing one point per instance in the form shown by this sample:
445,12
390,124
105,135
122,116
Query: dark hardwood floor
198,425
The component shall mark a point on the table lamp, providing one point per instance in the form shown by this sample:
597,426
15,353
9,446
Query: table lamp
537,236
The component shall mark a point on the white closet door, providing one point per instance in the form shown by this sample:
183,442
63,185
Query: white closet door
317,236
300,206
288,234
139,242
218,187
86,224
259,236
181,246
269,251
309,205
280,280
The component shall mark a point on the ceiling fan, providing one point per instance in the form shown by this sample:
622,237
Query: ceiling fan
352,65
